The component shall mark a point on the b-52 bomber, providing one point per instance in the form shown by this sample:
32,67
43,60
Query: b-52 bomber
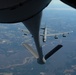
46,34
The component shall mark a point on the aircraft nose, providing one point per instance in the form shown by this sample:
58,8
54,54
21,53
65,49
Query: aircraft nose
41,61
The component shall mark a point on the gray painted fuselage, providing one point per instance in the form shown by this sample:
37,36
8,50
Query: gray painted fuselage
45,34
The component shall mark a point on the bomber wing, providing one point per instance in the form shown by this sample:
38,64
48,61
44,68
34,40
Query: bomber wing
63,33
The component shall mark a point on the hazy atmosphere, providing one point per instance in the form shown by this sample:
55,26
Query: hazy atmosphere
16,60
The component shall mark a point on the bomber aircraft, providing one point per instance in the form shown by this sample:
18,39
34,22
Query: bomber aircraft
46,34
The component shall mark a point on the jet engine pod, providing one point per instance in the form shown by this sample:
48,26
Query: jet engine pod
64,35
56,37
70,2
20,10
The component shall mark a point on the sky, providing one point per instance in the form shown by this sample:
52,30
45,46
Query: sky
58,5
56,1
